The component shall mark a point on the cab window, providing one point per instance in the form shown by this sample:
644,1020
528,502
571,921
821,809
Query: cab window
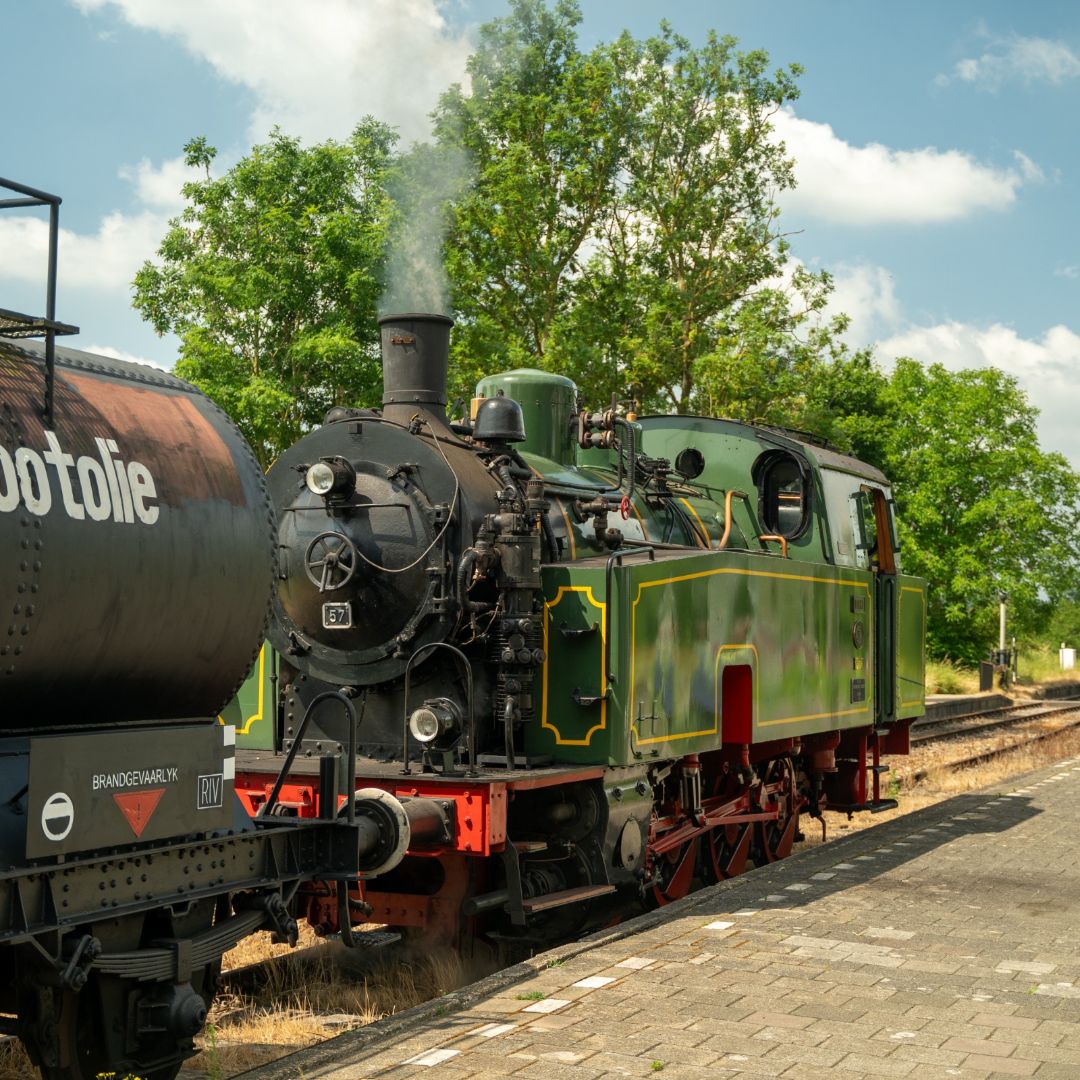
877,527
783,493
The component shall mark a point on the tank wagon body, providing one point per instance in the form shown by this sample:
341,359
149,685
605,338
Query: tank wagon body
623,653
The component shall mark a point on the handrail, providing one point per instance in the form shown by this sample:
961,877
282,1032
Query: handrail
34,197
776,539
616,559
727,515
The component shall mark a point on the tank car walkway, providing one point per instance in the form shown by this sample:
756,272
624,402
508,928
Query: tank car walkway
943,944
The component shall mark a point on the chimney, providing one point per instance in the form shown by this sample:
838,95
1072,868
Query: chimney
415,359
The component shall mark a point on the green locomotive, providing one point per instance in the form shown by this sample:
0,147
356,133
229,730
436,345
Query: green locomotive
645,645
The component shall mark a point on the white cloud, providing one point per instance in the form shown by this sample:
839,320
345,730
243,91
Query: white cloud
1072,271
867,295
875,184
120,354
316,68
1013,58
159,185
1045,367
104,260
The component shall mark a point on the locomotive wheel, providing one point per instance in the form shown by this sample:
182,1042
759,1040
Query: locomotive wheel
774,838
676,871
724,850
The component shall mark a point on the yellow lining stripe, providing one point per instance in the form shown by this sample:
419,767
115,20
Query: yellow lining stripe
921,594
641,520
569,529
258,714
548,606
868,708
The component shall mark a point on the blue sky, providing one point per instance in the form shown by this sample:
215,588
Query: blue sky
937,149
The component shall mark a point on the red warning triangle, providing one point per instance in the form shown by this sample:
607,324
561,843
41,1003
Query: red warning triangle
138,807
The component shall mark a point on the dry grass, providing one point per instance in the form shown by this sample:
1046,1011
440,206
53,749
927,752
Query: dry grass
14,1064
927,776
258,948
304,1003
1035,665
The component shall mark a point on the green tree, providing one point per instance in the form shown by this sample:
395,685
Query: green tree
544,125
271,277
981,507
694,240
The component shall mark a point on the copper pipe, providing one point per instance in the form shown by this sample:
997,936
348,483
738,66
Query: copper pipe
781,540
727,516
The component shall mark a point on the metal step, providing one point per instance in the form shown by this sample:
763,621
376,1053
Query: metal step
566,896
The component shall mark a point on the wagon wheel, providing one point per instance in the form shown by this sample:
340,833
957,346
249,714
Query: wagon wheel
675,872
724,849
774,838
97,1032
79,1029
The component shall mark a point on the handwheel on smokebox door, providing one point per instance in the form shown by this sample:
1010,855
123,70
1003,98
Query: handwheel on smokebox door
330,561
724,850
774,838
675,870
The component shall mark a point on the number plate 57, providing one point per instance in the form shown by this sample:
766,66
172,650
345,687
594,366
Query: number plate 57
337,616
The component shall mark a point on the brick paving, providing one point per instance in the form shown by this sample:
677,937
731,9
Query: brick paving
942,944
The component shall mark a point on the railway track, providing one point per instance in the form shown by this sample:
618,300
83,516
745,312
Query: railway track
933,729
1008,719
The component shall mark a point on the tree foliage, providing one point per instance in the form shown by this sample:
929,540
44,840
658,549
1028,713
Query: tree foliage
623,202
544,125
693,240
982,508
271,277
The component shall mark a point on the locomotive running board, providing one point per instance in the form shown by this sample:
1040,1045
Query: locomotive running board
566,896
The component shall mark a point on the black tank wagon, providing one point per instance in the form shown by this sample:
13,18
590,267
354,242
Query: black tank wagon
136,575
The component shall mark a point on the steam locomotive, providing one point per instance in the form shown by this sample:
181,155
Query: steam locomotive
612,655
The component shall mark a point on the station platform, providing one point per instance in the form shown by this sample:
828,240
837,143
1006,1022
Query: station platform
945,943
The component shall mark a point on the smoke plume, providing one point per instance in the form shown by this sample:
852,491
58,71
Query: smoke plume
428,179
